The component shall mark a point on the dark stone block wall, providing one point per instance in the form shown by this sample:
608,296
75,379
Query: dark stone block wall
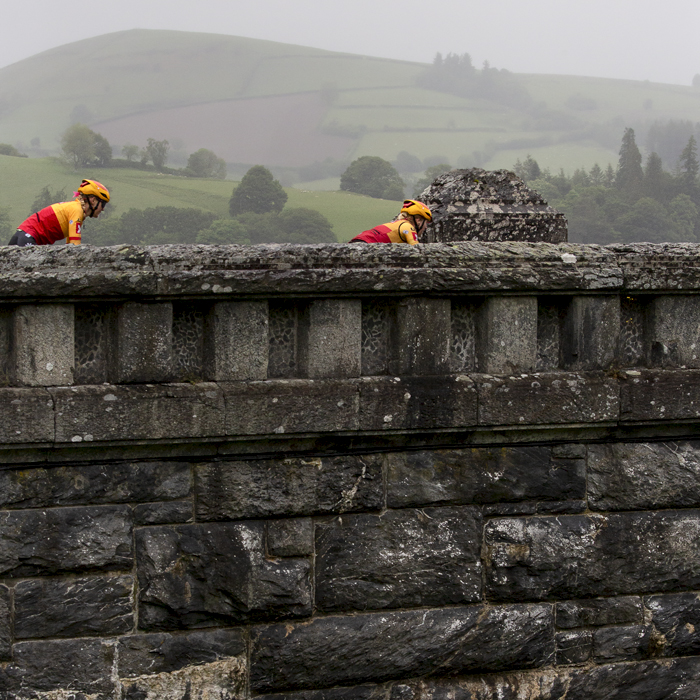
325,473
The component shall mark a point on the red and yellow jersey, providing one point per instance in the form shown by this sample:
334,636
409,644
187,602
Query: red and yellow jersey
399,231
62,220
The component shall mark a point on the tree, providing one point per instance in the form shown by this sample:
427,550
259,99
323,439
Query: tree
7,150
224,232
78,144
374,177
430,174
647,220
629,169
301,225
258,192
654,184
157,152
408,163
46,198
164,225
129,151
205,163
689,167
529,169
103,151
684,216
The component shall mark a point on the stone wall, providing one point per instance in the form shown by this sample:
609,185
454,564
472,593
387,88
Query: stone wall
316,472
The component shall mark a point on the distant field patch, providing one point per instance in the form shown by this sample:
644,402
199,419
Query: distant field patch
270,131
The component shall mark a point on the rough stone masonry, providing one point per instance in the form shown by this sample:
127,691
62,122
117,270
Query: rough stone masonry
467,470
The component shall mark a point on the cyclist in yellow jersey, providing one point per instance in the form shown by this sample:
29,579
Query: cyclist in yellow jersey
63,220
405,228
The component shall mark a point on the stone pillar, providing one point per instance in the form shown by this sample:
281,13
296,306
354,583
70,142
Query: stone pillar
44,344
6,316
421,340
330,338
591,332
144,342
674,331
236,341
506,335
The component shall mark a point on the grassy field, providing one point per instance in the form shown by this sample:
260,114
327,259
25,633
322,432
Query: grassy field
23,179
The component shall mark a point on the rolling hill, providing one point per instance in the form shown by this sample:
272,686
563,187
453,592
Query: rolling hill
285,106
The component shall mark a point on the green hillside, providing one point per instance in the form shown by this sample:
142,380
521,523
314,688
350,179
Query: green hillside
23,178
286,106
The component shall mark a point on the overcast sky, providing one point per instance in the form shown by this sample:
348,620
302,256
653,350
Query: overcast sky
636,39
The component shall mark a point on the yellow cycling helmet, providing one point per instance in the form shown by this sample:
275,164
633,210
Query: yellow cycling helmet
413,207
92,187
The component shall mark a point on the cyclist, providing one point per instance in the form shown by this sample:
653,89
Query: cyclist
405,228
65,219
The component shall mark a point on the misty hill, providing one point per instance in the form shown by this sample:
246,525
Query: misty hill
253,101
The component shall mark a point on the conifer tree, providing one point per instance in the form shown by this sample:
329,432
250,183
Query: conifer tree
629,175
689,168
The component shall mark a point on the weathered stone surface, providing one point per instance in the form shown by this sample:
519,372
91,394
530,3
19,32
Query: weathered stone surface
625,643
149,654
496,205
674,331
237,343
574,647
403,403
660,395
69,667
400,559
100,605
358,692
27,416
43,341
213,575
292,537
482,475
584,556
6,332
506,338
382,646
291,406
5,624
163,513
676,619
330,338
422,337
643,476
109,412
296,486
597,612
63,540
547,398
125,482
591,332
144,342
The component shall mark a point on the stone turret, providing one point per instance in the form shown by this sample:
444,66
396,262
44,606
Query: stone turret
484,205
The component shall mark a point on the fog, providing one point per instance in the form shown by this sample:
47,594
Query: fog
602,38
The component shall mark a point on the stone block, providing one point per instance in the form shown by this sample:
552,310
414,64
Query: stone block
625,643
144,342
358,692
65,668
288,487
410,403
591,332
6,331
579,556
400,559
109,412
506,335
676,621
598,612
674,331
65,540
149,654
284,406
214,575
236,341
27,416
330,338
163,513
574,647
660,395
5,624
644,476
76,607
344,651
95,484
44,351
291,537
547,398
482,475
421,337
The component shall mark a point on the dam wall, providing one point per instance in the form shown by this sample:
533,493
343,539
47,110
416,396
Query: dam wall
465,471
